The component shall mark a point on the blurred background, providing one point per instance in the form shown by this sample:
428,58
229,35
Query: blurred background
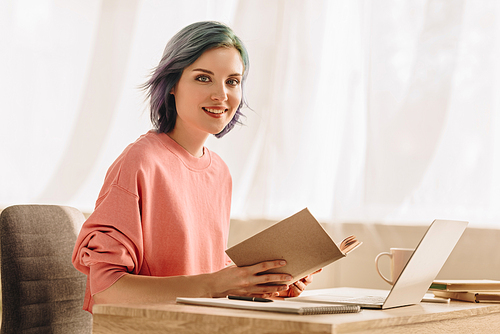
363,111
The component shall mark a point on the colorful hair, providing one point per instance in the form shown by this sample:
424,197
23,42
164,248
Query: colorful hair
181,51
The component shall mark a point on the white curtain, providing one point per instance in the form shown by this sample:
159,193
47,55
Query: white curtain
369,111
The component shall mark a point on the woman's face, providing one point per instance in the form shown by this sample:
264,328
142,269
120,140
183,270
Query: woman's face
209,92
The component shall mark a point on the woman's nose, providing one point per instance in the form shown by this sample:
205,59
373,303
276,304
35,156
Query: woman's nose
219,93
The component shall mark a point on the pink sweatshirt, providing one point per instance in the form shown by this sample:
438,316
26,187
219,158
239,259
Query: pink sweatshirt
160,212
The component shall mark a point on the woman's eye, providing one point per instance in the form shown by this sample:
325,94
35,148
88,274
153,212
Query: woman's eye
233,82
203,78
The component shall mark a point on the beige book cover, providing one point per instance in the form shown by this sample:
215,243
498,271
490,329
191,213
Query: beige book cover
299,239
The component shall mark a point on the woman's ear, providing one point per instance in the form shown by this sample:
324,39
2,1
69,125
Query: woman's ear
172,91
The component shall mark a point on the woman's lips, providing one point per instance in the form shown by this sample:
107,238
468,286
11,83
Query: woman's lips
215,110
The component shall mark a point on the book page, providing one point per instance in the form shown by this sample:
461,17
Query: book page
348,244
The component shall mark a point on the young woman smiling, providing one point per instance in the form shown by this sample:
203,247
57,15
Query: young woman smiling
161,221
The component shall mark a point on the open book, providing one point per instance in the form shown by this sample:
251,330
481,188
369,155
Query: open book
299,239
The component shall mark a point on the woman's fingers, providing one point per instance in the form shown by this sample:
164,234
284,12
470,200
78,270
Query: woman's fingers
300,285
307,280
267,265
260,277
254,281
269,285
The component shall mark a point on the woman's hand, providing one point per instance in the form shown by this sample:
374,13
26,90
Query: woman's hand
295,289
250,281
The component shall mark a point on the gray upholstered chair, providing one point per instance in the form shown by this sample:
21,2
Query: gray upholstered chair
41,290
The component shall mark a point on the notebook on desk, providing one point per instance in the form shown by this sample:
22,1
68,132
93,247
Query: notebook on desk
417,276
273,306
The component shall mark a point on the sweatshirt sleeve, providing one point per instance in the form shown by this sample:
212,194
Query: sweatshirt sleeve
110,242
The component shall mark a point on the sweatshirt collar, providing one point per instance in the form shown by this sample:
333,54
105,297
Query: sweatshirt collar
189,160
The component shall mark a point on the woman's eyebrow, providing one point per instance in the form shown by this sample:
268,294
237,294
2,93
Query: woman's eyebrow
212,73
203,70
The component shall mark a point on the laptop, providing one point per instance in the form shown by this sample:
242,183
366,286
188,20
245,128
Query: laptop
417,276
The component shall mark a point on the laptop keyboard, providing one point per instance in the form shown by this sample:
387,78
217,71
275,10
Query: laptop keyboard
363,300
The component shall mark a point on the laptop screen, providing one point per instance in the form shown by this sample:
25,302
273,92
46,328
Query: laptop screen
425,263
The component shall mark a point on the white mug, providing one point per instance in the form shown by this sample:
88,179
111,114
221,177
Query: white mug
399,258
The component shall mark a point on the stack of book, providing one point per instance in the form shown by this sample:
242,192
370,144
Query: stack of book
477,291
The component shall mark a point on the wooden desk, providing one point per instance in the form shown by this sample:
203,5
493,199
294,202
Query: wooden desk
456,317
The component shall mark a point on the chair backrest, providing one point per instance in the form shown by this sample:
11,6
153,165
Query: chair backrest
41,290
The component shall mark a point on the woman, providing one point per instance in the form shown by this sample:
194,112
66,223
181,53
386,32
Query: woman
161,221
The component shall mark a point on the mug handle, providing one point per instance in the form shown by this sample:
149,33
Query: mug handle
376,266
